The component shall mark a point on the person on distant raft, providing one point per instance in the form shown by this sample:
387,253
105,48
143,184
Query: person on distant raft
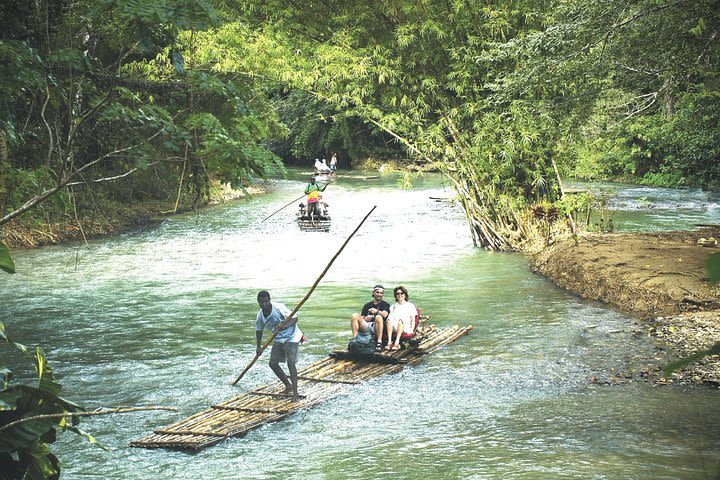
401,319
325,167
287,342
371,318
313,197
333,163
321,166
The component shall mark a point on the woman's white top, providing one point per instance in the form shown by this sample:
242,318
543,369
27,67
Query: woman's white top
403,311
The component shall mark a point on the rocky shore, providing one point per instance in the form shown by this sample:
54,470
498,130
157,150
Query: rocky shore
661,280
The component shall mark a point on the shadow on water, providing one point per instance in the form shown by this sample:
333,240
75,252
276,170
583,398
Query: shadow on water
165,316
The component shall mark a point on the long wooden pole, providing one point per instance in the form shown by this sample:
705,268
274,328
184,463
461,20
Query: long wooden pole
301,196
286,205
312,289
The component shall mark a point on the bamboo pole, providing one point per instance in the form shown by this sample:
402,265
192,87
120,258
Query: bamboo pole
312,289
82,414
284,206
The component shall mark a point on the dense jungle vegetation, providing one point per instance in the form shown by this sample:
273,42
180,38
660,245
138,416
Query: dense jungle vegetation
106,104
109,103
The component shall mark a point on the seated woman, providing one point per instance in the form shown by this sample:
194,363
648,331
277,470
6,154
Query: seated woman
401,319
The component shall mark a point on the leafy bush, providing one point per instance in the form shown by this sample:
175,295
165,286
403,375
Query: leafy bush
24,451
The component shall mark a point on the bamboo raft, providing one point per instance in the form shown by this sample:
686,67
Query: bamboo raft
323,380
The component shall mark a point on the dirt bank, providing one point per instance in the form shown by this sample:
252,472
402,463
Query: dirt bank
658,278
113,218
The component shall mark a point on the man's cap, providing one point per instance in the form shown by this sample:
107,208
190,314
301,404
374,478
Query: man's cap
378,287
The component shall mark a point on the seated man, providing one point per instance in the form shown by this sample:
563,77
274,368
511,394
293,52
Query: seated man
373,315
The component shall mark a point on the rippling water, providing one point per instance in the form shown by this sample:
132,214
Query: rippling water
165,316
643,208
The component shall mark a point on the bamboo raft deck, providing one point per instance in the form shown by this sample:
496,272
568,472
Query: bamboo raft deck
318,382
307,225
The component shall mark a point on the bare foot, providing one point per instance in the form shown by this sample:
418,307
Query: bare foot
295,397
288,389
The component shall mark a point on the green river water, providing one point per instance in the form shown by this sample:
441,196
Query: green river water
165,316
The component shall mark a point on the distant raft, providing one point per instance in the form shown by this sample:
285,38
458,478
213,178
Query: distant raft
323,380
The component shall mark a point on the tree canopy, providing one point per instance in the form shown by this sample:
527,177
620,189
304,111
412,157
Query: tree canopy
503,97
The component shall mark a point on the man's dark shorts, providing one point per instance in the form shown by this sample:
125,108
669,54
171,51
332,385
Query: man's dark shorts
286,352
369,328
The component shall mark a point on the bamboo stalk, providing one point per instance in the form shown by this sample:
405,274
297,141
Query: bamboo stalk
328,380
82,414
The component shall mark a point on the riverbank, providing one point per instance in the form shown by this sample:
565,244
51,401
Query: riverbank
658,278
112,218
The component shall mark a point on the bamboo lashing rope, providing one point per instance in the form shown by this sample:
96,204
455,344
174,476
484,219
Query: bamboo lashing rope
326,380
312,289
251,410
277,395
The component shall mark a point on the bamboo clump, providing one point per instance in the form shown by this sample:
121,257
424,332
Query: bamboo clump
318,382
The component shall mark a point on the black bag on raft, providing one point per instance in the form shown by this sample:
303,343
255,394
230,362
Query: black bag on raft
362,344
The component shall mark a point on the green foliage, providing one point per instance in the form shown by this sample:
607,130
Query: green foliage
317,129
115,84
449,81
20,69
712,265
24,451
659,149
685,361
6,262
154,24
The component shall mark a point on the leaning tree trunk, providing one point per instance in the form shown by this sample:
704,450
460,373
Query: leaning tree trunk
503,228
486,225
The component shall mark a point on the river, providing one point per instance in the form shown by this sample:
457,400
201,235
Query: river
165,316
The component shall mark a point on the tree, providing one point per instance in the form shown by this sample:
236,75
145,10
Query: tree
103,90
423,72
497,95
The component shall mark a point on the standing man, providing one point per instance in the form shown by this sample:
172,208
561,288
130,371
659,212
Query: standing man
286,345
313,197
373,315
